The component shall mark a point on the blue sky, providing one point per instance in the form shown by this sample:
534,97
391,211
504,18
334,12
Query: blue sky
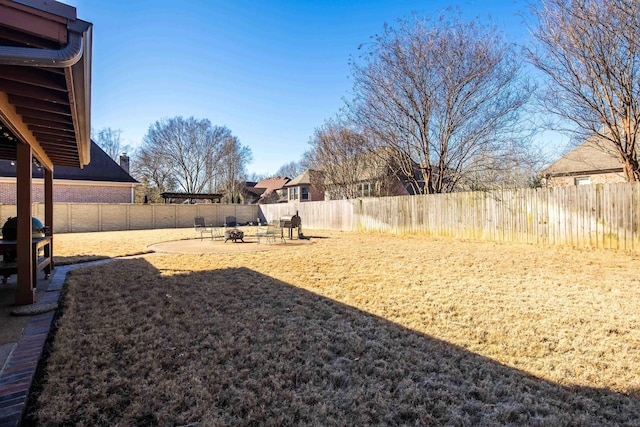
271,71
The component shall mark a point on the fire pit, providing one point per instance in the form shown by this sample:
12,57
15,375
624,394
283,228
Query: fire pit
234,235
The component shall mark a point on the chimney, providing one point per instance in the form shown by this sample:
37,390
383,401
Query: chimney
124,162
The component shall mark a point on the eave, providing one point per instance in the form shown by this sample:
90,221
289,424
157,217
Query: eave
45,82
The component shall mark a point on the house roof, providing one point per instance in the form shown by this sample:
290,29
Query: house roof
594,155
102,168
272,184
45,82
250,188
305,178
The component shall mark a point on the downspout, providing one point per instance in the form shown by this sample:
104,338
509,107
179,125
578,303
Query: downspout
69,58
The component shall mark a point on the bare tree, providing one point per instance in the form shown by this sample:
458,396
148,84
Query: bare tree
186,152
338,150
256,177
440,94
291,169
110,140
590,49
231,171
150,167
515,168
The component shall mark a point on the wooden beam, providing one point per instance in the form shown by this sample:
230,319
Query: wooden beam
60,146
23,89
54,117
49,128
27,40
23,101
25,294
45,126
34,76
48,207
17,127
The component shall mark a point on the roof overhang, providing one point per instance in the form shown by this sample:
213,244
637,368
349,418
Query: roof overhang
581,172
45,82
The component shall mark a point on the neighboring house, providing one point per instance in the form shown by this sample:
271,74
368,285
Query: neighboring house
101,181
372,174
273,190
306,187
588,163
250,194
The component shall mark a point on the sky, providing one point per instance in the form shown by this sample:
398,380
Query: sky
270,71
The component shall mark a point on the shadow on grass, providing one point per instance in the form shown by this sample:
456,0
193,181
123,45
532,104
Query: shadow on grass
81,259
235,347
77,259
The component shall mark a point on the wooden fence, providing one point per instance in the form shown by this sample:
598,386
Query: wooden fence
86,217
605,215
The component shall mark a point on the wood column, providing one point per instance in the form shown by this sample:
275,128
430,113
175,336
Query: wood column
48,207
25,294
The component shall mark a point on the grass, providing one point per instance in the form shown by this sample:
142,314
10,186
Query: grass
72,248
353,329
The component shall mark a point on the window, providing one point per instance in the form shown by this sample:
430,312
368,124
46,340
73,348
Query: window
364,189
304,194
293,193
583,180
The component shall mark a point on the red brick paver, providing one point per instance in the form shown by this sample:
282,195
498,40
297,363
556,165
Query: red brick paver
17,375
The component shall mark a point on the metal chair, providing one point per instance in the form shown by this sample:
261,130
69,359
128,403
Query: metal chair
272,232
201,227
217,233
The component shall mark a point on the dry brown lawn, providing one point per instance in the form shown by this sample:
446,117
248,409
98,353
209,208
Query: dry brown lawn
353,329
72,248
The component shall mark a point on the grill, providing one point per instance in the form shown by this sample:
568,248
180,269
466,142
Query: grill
290,222
10,232
10,228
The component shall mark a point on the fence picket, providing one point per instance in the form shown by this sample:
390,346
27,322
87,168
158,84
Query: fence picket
603,215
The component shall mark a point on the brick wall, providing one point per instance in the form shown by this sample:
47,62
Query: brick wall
601,178
70,193
86,217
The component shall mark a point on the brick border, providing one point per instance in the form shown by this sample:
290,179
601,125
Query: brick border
19,371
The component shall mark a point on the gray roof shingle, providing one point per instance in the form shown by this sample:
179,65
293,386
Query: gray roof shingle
102,168
592,156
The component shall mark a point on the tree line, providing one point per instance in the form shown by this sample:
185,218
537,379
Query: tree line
184,155
444,103
447,104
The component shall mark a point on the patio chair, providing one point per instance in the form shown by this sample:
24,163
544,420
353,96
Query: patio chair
270,233
265,233
201,227
217,233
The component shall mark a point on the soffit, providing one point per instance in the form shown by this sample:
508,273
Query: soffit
52,102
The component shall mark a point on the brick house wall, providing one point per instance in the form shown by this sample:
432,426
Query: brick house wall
315,193
71,192
594,178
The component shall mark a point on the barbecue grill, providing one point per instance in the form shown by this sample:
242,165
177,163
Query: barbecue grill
10,228
290,222
10,232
